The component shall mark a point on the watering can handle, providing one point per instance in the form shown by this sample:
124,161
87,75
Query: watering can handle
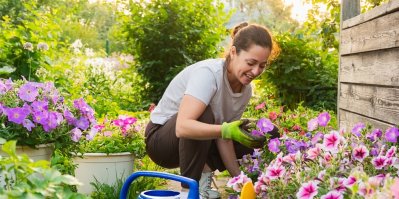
192,184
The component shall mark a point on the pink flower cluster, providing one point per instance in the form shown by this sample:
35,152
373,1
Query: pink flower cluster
332,166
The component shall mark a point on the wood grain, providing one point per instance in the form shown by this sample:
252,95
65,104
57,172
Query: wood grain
349,120
376,67
381,103
380,33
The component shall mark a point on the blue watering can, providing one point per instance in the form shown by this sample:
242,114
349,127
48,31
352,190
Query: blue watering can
161,194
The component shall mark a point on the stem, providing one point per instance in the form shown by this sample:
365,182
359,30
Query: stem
30,66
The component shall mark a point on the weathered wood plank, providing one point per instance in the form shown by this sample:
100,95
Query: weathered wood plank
349,9
380,33
381,103
381,10
375,67
349,119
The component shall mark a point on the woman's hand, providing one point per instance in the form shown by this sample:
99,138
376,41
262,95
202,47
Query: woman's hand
235,131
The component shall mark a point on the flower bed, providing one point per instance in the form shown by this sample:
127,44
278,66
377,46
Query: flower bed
324,163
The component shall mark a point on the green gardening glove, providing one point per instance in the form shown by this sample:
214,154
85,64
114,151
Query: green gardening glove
236,131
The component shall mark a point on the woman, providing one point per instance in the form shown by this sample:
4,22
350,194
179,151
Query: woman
196,125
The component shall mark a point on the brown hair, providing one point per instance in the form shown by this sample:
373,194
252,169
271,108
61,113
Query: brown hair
245,35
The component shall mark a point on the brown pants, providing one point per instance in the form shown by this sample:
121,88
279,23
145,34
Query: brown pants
168,151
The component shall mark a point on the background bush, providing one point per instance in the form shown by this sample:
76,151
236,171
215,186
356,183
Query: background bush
167,35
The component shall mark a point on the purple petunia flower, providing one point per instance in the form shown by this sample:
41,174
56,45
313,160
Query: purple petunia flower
82,123
28,124
374,151
28,92
76,133
71,120
292,146
40,117
274,145
323,118
265,125
51,122
392,134
357,129
91,134
257,133
17,115
40,105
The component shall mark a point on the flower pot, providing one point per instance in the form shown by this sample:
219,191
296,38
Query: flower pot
42,152
105,168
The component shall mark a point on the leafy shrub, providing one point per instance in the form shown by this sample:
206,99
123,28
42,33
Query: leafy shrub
303,73
166,36
25,40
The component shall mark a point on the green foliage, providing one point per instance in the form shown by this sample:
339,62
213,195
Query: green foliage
166,36
27,179
24,30
108,84
303,73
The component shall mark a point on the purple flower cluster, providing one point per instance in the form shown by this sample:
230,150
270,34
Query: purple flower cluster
40,106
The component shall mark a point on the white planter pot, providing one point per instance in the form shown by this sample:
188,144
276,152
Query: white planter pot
42,152
105,168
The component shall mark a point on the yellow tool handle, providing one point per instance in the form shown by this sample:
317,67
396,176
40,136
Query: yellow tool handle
248,191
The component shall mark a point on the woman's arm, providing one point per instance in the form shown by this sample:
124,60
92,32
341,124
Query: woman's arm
187,125
228,155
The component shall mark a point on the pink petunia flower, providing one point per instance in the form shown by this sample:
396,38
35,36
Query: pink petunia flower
379,162
238,181
391,152
260,187
332,195
350,181
331,141
313,124
307,190
365,190
360,152
313,152
260,106
272,116
274,172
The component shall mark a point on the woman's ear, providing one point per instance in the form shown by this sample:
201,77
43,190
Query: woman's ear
233,52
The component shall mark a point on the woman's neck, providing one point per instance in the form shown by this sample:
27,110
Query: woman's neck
235,85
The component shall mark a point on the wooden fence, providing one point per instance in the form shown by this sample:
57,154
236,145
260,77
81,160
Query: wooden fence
368,89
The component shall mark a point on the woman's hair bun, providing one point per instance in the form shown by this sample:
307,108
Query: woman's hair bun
238,27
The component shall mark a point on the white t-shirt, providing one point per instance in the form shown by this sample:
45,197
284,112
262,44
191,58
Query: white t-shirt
207,81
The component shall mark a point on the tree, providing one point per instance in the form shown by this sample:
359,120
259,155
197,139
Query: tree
167,35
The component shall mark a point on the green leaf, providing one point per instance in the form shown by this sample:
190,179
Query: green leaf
10,147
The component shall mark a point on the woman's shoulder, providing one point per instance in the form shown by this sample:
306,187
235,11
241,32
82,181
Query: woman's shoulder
215,65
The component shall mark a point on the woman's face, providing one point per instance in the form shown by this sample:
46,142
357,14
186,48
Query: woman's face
247,65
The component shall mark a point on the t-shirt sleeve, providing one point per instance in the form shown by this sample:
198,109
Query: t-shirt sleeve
202,85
